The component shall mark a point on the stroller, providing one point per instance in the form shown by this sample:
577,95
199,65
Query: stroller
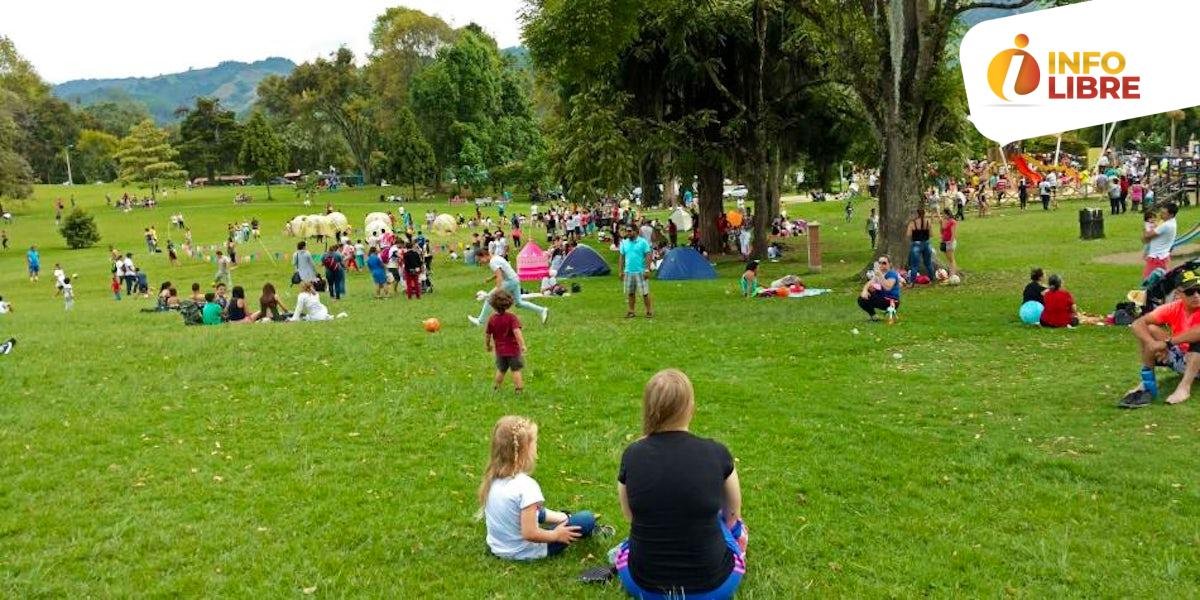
1159,289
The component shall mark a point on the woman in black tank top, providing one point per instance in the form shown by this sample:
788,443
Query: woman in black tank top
920,253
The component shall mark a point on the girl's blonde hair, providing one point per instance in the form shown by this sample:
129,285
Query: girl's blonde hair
512,451
668,401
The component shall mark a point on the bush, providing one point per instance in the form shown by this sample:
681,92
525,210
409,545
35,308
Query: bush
79,229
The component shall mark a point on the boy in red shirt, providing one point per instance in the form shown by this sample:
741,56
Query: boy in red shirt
1177,348
504,333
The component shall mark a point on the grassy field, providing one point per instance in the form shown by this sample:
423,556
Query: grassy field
341,459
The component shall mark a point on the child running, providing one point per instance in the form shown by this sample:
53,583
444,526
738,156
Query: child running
513,505
68,292
503,333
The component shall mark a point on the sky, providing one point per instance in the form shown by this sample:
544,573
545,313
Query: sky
101,39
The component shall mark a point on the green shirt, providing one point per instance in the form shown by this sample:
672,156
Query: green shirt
211,313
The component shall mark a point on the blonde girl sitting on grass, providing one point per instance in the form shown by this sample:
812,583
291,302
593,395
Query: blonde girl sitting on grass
519,526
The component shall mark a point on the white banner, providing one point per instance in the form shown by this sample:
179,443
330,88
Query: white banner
1060,69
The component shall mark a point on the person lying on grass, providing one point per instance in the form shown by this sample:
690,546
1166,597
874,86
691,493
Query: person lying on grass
683,500
1169,337
513,505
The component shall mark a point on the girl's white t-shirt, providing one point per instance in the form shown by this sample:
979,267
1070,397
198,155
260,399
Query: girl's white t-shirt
506,499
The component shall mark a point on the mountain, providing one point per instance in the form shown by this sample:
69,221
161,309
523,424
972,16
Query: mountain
235,83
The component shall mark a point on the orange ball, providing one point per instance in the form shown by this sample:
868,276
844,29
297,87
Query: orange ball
433,325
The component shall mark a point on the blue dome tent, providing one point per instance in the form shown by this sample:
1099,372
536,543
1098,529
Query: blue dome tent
685,263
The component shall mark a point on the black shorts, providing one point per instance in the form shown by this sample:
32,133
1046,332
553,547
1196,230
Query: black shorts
395,274
505,364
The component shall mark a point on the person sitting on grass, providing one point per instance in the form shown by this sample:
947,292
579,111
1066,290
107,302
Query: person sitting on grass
1060,310
503,334
211,312
749,280
269,306
513,505
682,498
1169,337
197,297
308,304
1034,290
235,311
882,289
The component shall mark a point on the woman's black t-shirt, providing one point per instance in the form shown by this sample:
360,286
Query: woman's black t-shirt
675,483
1033,293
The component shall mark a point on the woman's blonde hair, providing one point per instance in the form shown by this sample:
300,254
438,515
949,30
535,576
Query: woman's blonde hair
307,286
668,401
512,451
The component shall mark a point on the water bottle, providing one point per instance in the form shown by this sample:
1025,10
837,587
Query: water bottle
891,314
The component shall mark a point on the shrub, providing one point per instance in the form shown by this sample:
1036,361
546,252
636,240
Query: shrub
79,229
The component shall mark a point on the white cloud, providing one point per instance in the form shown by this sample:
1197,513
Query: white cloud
90,39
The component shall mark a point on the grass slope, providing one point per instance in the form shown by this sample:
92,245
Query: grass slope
145,458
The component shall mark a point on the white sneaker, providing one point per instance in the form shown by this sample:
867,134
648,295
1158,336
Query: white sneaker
474,320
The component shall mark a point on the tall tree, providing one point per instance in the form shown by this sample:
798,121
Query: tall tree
94,156
335,91
409,156
893,55
146,158
262,154
474,110
15,175
403,42
210,138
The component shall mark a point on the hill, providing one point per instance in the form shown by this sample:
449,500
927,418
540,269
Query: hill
233,82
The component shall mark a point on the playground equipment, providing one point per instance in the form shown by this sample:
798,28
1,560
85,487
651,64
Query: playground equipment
1174,179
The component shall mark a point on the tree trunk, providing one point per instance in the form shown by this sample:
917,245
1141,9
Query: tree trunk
900,187
712,190
651,195
269,190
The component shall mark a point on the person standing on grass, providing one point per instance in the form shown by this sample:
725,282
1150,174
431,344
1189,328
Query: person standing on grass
378,272
1169,337
950,240
873,227
1044,191
33,261
413,264
335,272
503,335
505,280
920,253
3,240
634,250
130,273
1160,240
68,292
302,263
519,526
222,275
683,499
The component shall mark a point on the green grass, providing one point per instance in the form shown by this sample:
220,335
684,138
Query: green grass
141,457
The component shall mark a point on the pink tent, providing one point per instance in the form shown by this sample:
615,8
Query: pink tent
532,263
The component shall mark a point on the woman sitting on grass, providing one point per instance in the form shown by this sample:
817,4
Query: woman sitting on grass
1060,310
269,306
513,506
308,305
235,311
683,500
